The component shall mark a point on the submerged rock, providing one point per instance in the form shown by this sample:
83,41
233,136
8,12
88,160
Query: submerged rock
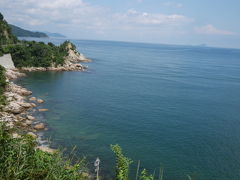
32,98
42,110
40,101
39,126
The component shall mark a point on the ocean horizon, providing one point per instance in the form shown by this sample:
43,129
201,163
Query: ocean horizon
169,106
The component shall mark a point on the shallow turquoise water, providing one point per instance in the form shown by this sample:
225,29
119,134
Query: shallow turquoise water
174,106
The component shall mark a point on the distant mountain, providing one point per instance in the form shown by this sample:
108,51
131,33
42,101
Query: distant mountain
57,35
19,32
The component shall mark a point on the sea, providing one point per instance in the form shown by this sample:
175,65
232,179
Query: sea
169,107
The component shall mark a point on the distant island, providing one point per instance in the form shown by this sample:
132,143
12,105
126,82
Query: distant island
20,32
57,35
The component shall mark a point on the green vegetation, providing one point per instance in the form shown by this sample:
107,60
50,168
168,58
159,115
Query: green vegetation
122,163
31,53
19,32
122,167
20,160
6,37
36,54
2,86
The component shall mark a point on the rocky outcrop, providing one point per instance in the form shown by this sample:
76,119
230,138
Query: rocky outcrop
71,63
68,66
13,74
15,89
74,56
15,112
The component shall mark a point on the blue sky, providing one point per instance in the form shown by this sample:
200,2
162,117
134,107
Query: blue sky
188,22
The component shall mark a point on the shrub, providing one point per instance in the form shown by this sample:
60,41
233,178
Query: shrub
20,160
122,163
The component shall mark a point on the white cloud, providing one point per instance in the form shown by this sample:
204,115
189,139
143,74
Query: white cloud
78,18
210,29
143,18
35,12
173,4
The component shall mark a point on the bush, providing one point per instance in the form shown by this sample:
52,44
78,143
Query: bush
36,54
122,163
20,160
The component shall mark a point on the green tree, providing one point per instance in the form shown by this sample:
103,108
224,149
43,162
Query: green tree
1,17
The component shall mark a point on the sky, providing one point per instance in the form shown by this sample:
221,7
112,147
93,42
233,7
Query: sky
186,22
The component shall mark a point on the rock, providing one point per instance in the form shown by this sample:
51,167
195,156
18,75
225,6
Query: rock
25,105
39,126
24,125
15,135
40,101
28,122
13,74
33,105
42,110
32,134
20,118
46,149
30,117
32,98
14,107
13,96
11,87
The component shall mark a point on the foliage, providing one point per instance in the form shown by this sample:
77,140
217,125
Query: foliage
2,86
36,54
1,16
122,163
6,37
19,32
20,160
31,53
145,176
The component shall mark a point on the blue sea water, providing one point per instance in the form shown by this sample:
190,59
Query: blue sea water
177,107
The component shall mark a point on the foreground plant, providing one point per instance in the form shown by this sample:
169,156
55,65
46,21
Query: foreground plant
20,160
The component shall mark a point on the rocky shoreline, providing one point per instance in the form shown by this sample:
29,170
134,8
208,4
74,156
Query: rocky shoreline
17,113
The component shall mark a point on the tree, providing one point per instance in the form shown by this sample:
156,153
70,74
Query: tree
1,17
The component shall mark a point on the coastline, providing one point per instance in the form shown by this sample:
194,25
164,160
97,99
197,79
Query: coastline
18,112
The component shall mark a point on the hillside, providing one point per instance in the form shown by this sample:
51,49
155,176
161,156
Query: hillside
6,37
19,32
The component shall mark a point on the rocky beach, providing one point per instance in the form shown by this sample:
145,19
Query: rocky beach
18,111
